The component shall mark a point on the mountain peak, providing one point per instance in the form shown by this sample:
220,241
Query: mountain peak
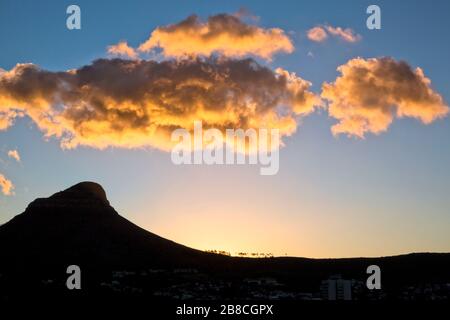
85,194
86,189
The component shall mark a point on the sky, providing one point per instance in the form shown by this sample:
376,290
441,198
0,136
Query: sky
364,166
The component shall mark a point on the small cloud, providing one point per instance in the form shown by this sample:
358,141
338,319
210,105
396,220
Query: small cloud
347,34
14,154
321,33
6,185
317,34
310,54
7,116
122,49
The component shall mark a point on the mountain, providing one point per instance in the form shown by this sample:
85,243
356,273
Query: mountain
78,226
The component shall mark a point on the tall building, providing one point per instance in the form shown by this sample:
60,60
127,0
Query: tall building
336,288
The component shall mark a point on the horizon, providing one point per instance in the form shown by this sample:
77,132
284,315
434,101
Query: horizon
251,254
363,168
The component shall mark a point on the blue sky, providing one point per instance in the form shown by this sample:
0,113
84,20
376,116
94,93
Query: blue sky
333,196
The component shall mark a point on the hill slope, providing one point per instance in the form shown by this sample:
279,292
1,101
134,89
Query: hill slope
78,226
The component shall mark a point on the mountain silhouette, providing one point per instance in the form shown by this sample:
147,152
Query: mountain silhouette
79,226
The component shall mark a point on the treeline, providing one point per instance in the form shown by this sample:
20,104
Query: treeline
243,254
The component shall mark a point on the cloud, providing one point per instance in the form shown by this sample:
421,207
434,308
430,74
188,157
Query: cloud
320,33
122,49
138,103
6,185
7,117
347,34
14,154
222,34
370,93
317,34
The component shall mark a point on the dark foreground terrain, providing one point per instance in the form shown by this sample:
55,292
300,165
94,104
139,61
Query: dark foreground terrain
119,260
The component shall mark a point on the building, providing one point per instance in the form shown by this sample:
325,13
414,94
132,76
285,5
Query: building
336,288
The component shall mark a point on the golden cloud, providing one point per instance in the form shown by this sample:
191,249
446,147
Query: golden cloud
6,185
138,103
320,33
14,154
317,34
7,118
346,34
223,34
122,49
370,93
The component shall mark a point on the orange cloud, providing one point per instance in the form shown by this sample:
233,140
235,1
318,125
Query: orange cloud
317,34
223,34
6,185
122,49
370,93
14,154
7,118
347,34
138,103
320,33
